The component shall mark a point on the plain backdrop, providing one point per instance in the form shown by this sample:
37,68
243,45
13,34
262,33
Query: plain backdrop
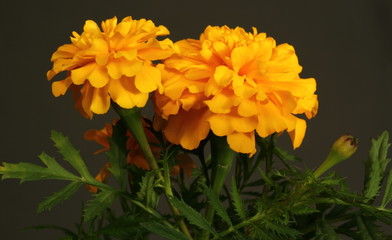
345,44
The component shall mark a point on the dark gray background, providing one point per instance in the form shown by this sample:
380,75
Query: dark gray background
345,44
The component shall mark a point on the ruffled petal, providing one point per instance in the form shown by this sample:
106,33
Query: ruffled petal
100,103
61,87
242,142
299,133
188,128
148,79
123,91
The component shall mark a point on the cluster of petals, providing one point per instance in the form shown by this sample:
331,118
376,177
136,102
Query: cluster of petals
113,63
236,84
135,154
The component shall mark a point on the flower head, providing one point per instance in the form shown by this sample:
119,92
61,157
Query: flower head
114,63
236,84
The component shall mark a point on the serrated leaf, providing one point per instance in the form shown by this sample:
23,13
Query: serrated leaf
117,153
59,197
192,215
282,230
66,231
237,202
70,154
147,193
367,230
217,205
96,206
375,165
259,233
31,172
124,227
325,232
388,190
164,231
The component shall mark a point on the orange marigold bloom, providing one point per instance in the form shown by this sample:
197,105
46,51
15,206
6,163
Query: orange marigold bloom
135,155
115,63
233,83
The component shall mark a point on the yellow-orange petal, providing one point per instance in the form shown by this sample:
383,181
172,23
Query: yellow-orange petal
242,142
247,108
222,102
61,87
100,103
223,75
79,75
224,124
270,120
188,128
298,134
148,79
125,94
120,67
240,56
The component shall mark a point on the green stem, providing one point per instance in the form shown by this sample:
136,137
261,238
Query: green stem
133,122
222,158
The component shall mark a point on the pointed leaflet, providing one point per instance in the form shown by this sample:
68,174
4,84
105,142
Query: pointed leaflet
165,231
59,197
31,172
388,191
147,193
117,153
282,230
367,229
96,206
217,205
70,154
193,217
325,232
124,227
237,202
375,165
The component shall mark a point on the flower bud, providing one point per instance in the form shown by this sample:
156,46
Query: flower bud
342,149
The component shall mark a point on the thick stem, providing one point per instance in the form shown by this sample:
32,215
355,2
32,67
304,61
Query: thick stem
134,123
222,158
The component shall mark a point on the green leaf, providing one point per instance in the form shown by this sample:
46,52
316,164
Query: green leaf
375,165
70,154
59,196
165,231
282,230
325,232
147,192
259,233
368,230
217,205
117,153
31,172
124,227
388,190
96,206
66,231
192,215
237,202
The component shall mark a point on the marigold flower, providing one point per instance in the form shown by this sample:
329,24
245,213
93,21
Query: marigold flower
135,154
112,64
233,83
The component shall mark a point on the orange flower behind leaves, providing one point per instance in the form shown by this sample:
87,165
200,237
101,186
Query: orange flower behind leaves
135,155
236,84
114,63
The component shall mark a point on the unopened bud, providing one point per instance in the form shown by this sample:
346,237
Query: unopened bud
342,149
